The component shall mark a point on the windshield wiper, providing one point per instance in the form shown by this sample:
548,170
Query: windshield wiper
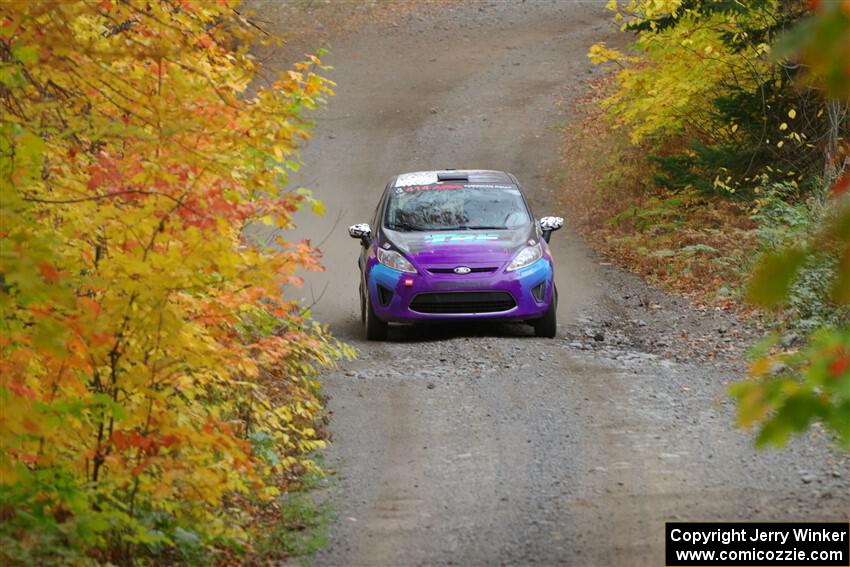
405,227
471,228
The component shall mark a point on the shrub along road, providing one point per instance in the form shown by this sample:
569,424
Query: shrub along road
484,445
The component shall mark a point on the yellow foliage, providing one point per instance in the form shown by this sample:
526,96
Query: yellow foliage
149,364
679,69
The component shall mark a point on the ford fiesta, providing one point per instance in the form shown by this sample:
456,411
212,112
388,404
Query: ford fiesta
449,245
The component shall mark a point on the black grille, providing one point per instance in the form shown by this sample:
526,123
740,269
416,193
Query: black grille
384,295
452,270
463,302
538,291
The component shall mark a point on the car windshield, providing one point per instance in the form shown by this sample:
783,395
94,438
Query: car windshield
455,207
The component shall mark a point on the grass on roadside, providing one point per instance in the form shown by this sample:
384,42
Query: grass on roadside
291,527
300,530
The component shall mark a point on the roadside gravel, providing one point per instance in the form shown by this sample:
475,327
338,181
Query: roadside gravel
482,445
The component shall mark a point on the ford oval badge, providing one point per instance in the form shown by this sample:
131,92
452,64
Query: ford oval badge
462,270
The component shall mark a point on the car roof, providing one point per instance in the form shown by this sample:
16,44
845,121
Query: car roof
472,176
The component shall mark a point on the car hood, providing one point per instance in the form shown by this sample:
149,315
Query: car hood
448,249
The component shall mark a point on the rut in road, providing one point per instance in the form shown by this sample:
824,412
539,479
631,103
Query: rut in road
482,445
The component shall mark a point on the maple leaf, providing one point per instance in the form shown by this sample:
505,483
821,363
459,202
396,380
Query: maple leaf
133,296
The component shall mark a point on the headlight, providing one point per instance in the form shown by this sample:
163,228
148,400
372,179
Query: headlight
526,257
394,260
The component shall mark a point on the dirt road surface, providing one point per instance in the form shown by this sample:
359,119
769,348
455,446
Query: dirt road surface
483,445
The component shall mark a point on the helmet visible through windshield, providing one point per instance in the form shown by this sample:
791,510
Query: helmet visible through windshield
455,207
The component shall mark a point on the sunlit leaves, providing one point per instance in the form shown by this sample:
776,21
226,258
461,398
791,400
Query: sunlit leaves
600,53
681,57
144,335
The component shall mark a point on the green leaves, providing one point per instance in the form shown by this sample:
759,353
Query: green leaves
822,42
25,54
788,391
774,275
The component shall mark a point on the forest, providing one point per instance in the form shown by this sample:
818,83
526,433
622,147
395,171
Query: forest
741,112
159,378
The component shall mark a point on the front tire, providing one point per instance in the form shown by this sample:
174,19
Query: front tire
547,326
362,307
376,329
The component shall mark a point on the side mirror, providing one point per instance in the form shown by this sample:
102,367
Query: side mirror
361,231
549,225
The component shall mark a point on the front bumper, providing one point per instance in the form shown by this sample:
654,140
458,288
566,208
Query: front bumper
395,306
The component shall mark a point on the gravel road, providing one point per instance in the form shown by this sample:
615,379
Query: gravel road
481,445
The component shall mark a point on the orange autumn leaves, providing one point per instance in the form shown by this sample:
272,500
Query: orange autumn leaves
145,337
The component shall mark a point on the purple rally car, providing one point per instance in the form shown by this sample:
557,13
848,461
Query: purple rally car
455,244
